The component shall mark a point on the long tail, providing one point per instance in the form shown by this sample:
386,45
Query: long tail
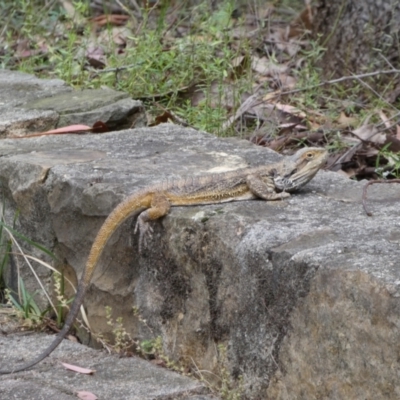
60,336
131,206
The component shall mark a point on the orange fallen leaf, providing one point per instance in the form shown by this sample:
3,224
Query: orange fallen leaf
112,19
79,369
98,126
65,129
82,394
68,129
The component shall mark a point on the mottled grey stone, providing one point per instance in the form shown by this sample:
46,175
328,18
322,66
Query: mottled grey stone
304,293
113,377
32,105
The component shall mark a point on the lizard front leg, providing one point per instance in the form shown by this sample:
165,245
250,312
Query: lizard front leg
159,207
264,188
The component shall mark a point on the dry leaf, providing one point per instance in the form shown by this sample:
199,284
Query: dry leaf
287,82
78,369
393,95
290,110
370,152
344,121
71,338
281,40
96,56
302,23
240,65
165,117
66,129
392,144
272,95
336,162
397,132
110,19
242,32
237,61
71,12
369,133
266,67
118,36
83,395
69,129
384,119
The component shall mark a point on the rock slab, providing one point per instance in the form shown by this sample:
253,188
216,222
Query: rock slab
112,377
30,105
303,293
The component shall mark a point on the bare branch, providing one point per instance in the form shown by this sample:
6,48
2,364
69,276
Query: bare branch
364,196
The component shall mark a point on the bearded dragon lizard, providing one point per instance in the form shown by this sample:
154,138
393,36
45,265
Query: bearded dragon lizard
268,182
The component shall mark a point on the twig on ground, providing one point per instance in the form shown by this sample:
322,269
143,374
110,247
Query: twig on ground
364,196
386,128
138,10
370,88
338,80
246,105
140,26
118,69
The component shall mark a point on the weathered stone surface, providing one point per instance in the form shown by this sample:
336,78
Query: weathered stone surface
30,105
344,341
17,88
114,377
18,122
88,106
304,292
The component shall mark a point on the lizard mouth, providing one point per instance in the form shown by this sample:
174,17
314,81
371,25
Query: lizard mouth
284,184
296,178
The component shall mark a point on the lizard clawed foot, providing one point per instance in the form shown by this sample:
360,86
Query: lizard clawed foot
145,230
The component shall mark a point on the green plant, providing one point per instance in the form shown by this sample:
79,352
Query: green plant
155,348
393,163
122,340
62,301
222,383
310,76
5,249
21,300
25,306
147,346
13,235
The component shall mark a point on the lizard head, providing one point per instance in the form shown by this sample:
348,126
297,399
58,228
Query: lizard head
300,168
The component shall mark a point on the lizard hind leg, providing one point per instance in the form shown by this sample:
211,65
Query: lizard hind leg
160,206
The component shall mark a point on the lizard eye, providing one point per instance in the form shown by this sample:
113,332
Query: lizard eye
310,155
